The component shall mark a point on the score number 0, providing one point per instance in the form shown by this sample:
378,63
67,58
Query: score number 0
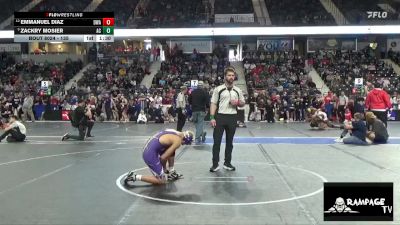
107,30
108,21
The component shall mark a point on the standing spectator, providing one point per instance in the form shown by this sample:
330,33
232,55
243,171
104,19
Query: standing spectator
269,112
359,106
378,102
223,114
328,105
261,100
16,102
342,104
252,106
199,102
108,106
158,54
181,108
27,108
395,100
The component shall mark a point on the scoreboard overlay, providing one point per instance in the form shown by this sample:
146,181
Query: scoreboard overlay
64,27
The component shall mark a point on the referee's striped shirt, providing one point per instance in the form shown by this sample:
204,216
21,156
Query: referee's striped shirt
222,97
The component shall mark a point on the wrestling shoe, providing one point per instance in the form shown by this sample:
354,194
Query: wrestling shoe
130,178
203,137
65,137
173,175
339,140
214,168
229,167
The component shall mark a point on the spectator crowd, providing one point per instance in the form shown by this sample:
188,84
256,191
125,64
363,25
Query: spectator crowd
20,83
278,84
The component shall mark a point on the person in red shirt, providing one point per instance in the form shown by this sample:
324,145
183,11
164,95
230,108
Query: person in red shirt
378,101
347,115
347,122
54,101
328,105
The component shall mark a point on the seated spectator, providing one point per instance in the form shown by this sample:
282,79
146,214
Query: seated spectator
125,9
15,131
378,133
290,13
358,131
167,13
142,119
347,121
158,115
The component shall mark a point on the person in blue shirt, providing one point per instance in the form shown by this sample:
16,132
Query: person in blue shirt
359,106
358,131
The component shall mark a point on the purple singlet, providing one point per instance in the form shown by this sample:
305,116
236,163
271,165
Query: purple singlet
152,152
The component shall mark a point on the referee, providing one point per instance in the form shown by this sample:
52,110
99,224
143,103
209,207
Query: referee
181,108
223,115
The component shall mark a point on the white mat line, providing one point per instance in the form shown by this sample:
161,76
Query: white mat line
36,179
64,154
223,181
60,136
86,141
53,136
221,177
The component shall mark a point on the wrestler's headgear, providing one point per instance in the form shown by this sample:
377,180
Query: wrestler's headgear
188,137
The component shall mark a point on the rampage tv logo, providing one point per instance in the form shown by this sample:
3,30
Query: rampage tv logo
342,206
358,202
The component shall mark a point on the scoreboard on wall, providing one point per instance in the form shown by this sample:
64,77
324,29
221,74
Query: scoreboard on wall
63,27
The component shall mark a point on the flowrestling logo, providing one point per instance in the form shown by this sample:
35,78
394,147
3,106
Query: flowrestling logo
374,15
358,201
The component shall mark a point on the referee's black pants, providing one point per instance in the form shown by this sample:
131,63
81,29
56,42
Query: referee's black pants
341,113
85,129
181,120
381,115
227,123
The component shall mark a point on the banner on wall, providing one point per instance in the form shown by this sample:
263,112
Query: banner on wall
10,47
344,44
187,45
394,44
275,44
235,18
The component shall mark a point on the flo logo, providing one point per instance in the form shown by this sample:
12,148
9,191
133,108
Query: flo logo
379,15
358,201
